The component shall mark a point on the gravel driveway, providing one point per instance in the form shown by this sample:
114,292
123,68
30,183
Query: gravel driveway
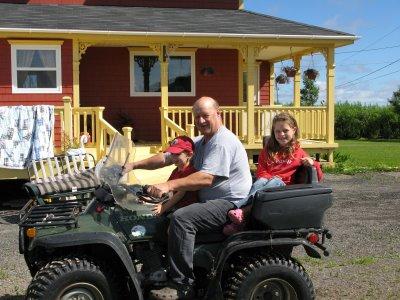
365,248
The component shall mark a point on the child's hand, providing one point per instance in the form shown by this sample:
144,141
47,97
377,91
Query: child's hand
158,209
307,161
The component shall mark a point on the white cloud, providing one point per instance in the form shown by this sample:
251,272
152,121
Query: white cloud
366,94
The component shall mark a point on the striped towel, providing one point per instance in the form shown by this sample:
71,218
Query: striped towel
69,183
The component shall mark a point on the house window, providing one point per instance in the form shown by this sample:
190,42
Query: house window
146,74
36,68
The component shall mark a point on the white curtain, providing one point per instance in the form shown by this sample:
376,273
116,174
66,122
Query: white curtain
48,58
25,58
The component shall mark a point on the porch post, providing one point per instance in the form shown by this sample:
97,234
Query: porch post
271,84
251,64
75,83
297,82
240,78
78,49
66,123
76,57
164,93
330,95
241,67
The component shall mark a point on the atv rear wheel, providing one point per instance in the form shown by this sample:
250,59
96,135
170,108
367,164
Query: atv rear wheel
71,278
269,277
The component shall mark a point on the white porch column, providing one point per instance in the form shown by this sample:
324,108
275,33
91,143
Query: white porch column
297,82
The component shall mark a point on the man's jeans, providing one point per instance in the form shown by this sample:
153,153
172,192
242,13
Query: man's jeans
259,185
186,222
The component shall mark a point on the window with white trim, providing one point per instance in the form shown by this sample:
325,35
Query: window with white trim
36,68
145,74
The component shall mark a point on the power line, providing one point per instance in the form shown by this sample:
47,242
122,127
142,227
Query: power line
303,66
367,50
393,62
384,75
374,42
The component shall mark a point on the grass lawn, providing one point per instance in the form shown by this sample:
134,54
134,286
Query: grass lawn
365,155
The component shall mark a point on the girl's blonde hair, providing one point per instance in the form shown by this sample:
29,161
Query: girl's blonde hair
272,146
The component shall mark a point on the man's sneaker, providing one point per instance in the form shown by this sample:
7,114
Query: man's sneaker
173,291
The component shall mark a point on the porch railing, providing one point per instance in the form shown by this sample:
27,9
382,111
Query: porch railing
74,121
312,121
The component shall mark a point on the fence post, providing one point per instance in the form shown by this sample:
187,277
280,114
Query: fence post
68,128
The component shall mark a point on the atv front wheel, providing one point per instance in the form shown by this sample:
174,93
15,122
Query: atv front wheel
71,278
269,277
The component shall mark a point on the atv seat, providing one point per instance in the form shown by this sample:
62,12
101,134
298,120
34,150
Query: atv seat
70,177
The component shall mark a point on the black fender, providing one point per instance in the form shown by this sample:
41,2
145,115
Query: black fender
248,240
91,238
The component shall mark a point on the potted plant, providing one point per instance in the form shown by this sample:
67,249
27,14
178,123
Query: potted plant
281,79
311,74
290,71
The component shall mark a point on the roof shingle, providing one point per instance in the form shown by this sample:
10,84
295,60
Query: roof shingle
146,19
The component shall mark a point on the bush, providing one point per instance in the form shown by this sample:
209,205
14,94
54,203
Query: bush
355,121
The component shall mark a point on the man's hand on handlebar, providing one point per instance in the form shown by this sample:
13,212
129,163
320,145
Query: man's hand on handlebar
158,190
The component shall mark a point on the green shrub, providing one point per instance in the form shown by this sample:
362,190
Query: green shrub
355,121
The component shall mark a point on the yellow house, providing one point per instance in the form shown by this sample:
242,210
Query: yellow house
142,64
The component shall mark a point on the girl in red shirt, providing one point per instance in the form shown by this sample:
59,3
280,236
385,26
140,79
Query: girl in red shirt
277,164
181,150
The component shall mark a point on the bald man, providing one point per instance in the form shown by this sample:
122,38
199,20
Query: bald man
223,179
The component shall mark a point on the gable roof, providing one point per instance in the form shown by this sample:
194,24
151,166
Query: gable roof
155,21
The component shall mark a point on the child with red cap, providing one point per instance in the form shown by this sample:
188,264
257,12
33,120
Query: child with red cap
181,150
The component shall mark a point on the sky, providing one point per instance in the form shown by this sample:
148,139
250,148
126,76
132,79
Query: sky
376,22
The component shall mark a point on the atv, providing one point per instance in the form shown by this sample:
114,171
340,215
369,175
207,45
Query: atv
113,247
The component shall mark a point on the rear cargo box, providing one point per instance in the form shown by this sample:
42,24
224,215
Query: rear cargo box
292,207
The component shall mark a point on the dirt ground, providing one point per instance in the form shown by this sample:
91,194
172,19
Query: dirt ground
365,248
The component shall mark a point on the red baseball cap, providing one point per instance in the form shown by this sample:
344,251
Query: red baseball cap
180,144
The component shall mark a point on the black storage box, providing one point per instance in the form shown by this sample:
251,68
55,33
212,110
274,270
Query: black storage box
291,207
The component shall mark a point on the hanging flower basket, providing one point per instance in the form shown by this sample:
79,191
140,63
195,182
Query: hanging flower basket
281,79
311,74
289,71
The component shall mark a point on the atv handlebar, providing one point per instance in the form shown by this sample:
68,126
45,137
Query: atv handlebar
144,196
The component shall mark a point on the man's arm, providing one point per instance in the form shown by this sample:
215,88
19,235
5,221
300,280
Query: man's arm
157,161
193,182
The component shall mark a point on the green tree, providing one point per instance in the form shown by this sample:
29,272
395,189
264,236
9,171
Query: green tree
395,101
309,92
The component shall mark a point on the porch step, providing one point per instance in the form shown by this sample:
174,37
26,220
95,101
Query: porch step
143,151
